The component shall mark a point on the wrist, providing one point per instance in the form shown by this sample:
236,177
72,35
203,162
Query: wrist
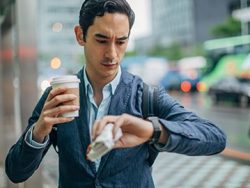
37,135
157,130
164,136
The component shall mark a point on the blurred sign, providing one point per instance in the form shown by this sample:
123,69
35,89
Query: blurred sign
246,63
242,14
192,62
150,69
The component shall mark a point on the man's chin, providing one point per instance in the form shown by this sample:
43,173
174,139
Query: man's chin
110,74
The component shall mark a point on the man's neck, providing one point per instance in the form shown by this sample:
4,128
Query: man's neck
97,86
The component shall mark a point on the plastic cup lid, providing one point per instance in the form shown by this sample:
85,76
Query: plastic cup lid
65,79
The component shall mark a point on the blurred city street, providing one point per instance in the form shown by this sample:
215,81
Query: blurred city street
200,54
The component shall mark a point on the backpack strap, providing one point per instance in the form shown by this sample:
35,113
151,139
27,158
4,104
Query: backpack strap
150,107
149,101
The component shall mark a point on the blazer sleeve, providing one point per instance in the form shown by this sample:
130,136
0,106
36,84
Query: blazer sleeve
22,159
188,133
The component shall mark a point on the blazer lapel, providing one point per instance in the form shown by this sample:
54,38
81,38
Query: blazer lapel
82,122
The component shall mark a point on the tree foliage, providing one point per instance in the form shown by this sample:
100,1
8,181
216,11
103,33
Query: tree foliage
172,52
176,51
131,53
229,28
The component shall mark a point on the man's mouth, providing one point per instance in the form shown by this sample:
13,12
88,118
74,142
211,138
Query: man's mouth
109,63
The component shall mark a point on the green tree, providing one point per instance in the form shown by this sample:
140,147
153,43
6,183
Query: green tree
131,53
172,52
229,28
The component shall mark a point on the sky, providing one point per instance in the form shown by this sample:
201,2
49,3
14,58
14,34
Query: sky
142,20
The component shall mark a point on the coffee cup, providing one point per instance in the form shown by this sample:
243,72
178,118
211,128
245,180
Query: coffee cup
72,83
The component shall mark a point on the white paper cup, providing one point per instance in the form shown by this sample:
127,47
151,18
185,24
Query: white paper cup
72,83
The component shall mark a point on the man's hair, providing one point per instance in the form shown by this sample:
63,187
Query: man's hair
93,8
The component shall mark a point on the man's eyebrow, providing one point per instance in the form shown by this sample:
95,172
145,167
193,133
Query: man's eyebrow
123,38
98,35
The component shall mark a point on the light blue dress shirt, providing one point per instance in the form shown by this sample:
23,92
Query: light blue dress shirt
95,112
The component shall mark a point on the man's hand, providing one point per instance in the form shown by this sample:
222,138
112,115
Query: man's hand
135,130
51,112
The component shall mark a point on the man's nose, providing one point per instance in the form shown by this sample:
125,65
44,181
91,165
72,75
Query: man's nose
111,52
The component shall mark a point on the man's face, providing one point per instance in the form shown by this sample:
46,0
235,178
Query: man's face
105,45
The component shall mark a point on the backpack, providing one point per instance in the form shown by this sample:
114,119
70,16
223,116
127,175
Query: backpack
149,108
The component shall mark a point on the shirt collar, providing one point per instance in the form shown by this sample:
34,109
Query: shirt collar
113,84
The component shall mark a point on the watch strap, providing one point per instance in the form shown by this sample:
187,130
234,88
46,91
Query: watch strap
157,129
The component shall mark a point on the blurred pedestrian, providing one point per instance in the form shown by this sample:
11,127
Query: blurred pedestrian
108,94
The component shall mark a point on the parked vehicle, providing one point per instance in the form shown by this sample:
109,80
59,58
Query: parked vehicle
179,81
233,89
172,80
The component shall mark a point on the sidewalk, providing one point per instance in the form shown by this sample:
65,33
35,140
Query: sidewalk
175,171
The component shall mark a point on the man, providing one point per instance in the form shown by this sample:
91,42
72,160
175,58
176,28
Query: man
108,95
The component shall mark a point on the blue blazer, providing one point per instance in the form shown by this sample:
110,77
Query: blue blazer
120,168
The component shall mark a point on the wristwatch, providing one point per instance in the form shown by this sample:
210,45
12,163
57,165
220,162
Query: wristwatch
157,129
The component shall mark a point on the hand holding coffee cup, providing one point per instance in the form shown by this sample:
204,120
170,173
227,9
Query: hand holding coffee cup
70,82
61,106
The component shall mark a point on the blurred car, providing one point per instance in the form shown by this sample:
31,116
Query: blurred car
172,80
233,89
178,81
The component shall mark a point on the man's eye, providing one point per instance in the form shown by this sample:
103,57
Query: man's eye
120,42
102,41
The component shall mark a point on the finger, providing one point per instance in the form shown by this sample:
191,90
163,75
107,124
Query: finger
88,148
98,127
59,99
56,91
57,120
100,124
60,110
127,140
119,144
117,125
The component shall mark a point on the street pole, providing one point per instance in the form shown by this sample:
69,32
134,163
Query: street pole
244,24
7,91
18,77
26,51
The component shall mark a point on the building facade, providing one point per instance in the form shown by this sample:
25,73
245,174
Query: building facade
187,22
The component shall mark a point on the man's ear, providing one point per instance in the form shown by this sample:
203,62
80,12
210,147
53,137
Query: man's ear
79,35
